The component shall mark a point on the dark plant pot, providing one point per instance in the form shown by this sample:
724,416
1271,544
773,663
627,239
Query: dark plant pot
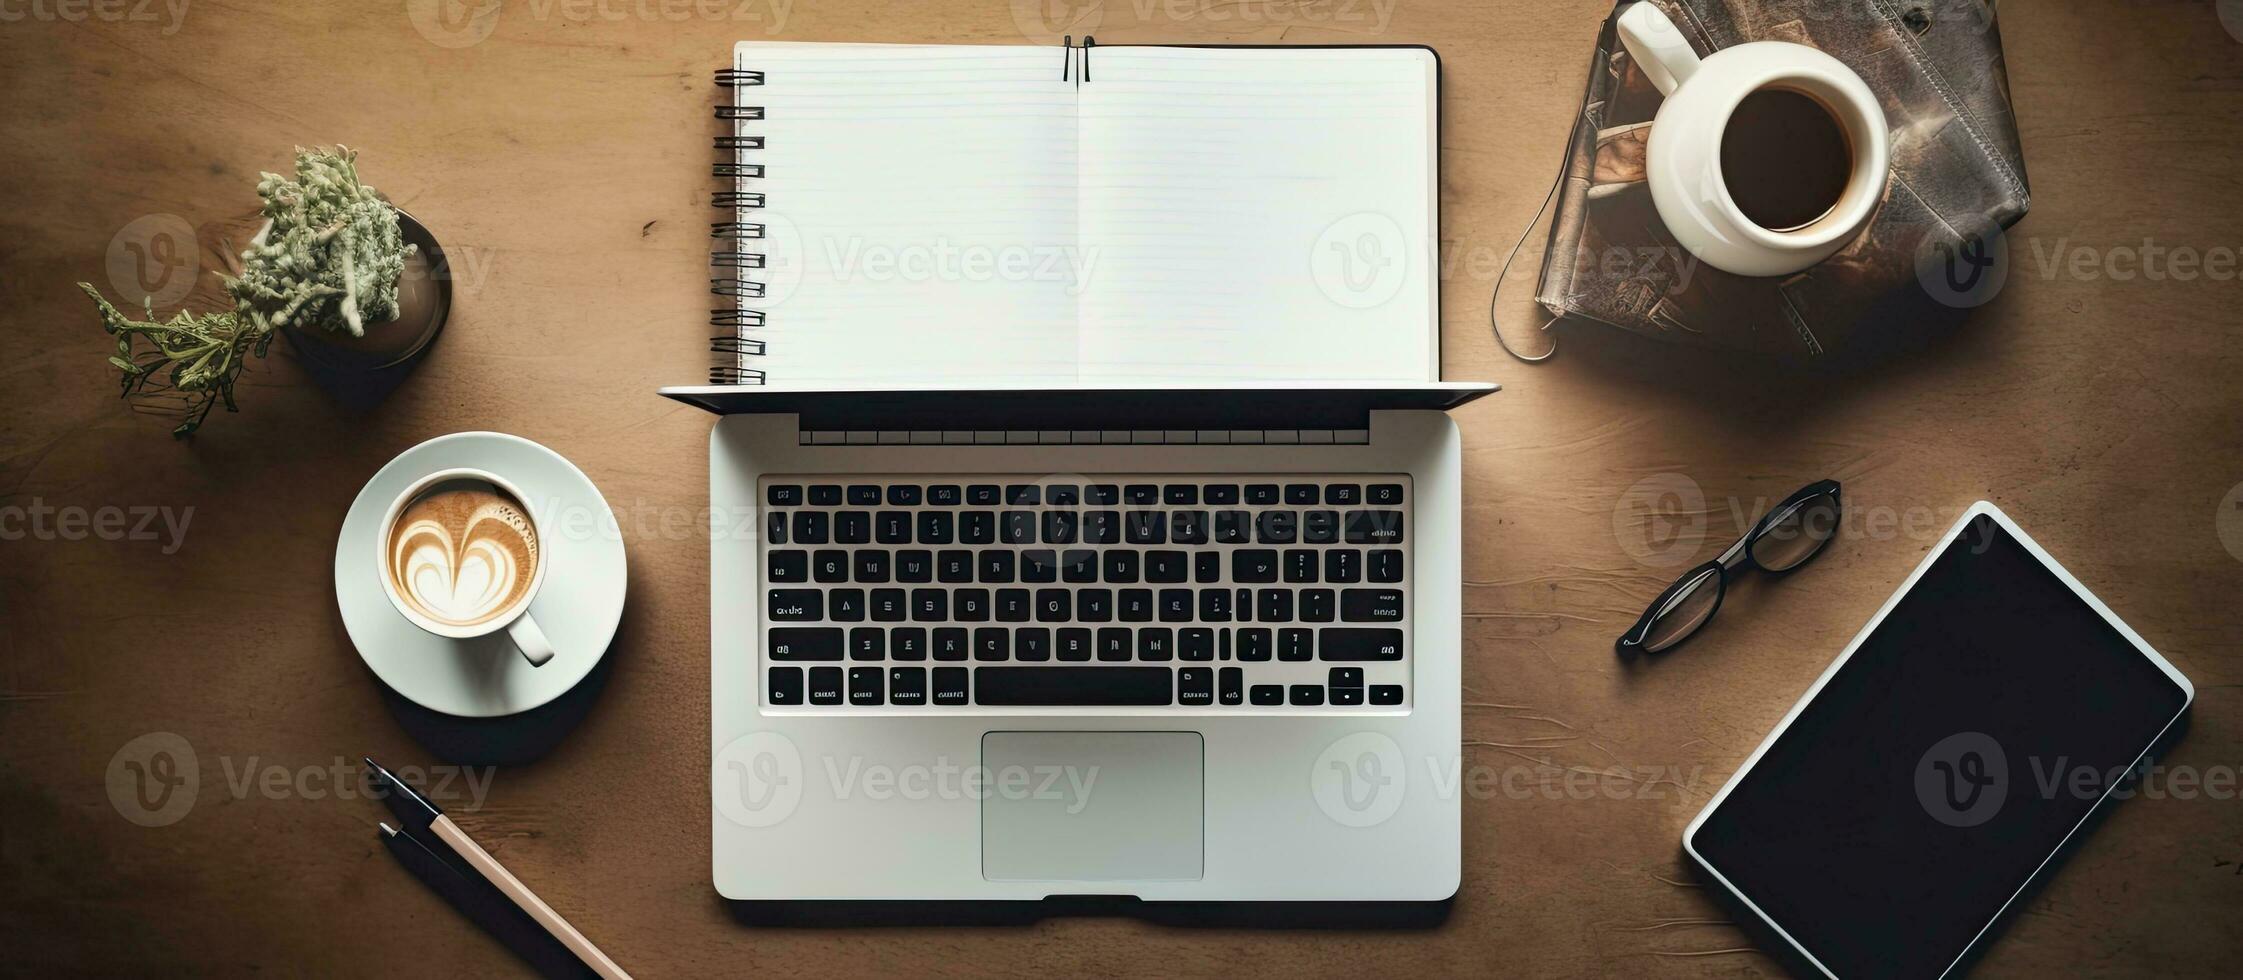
361,371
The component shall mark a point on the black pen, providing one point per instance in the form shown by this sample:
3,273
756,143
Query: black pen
484,906
422,820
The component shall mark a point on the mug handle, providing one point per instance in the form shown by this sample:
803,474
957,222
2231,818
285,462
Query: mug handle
1658,46
529,639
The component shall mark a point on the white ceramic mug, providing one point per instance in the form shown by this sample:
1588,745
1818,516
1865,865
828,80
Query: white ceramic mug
1683,158
519,627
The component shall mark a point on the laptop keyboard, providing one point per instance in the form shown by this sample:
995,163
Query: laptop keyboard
1192,593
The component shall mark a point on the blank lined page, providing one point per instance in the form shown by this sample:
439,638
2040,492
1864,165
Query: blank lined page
1259,214
920,203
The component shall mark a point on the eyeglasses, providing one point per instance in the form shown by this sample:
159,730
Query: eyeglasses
1792,533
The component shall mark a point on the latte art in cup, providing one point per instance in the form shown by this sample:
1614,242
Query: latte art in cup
462,553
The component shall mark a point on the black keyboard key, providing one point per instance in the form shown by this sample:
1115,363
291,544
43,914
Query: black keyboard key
1254,645
1134,605
1343,494
1345,677
992,643
1121,567
1214,605
1316,605
1374,527
1017,527
970,605
872,566
915,566
825,495
775,528
1308,695
797,605
1031,643
1039,565
1301,494
1094,605
1207,567
864,495
1059,526
1346,695
1102,494
825,685
1222,493
1175,605
1167,567
1101,527
1195,643
1074,686
977,527
930,605
1233,526
893,527
1384,494
789,566
1145,527
1054,605
1295,645
1231,687
1253,565
907,685
1114,643
945,495
954,567
1024,495
985,495
953,643
1187,527
889,606
936,526
810,527
1195,686
1157,643
996,567
1181,494
1074,644
907,643
868,643
785,684
1013,606
1273,606
845,605
1359,644
1386,694
907,495
1078,565
1063,495
1386,565
950,685
784,495
830,565
1320,526
1268,694
1300,565
1277,527
1141,493
1343,565
1371,605
1261,494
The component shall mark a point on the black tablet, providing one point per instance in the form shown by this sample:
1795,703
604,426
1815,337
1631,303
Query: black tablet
1941,763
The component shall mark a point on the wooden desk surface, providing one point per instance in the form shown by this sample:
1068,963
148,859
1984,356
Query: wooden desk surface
565,156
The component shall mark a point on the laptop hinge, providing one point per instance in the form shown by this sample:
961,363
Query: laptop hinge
1084,437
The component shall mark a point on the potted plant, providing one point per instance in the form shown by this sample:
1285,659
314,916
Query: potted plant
357,286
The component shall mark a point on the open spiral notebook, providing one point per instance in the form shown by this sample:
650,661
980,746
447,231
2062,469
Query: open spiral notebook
1016,215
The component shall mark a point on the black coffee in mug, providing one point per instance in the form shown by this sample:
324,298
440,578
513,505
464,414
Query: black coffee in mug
1785,158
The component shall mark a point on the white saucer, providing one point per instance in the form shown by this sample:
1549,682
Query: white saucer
579,606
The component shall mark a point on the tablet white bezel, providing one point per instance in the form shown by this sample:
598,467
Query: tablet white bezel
2188,697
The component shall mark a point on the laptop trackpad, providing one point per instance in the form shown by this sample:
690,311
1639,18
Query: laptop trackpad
1091,806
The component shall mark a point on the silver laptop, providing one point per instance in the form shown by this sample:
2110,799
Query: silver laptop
1176,644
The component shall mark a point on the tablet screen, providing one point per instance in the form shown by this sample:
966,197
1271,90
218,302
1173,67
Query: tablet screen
1941,764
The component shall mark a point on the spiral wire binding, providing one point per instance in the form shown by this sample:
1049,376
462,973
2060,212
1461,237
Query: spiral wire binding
728,254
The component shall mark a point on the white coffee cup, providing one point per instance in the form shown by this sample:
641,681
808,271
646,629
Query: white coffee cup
1683,158
515,619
